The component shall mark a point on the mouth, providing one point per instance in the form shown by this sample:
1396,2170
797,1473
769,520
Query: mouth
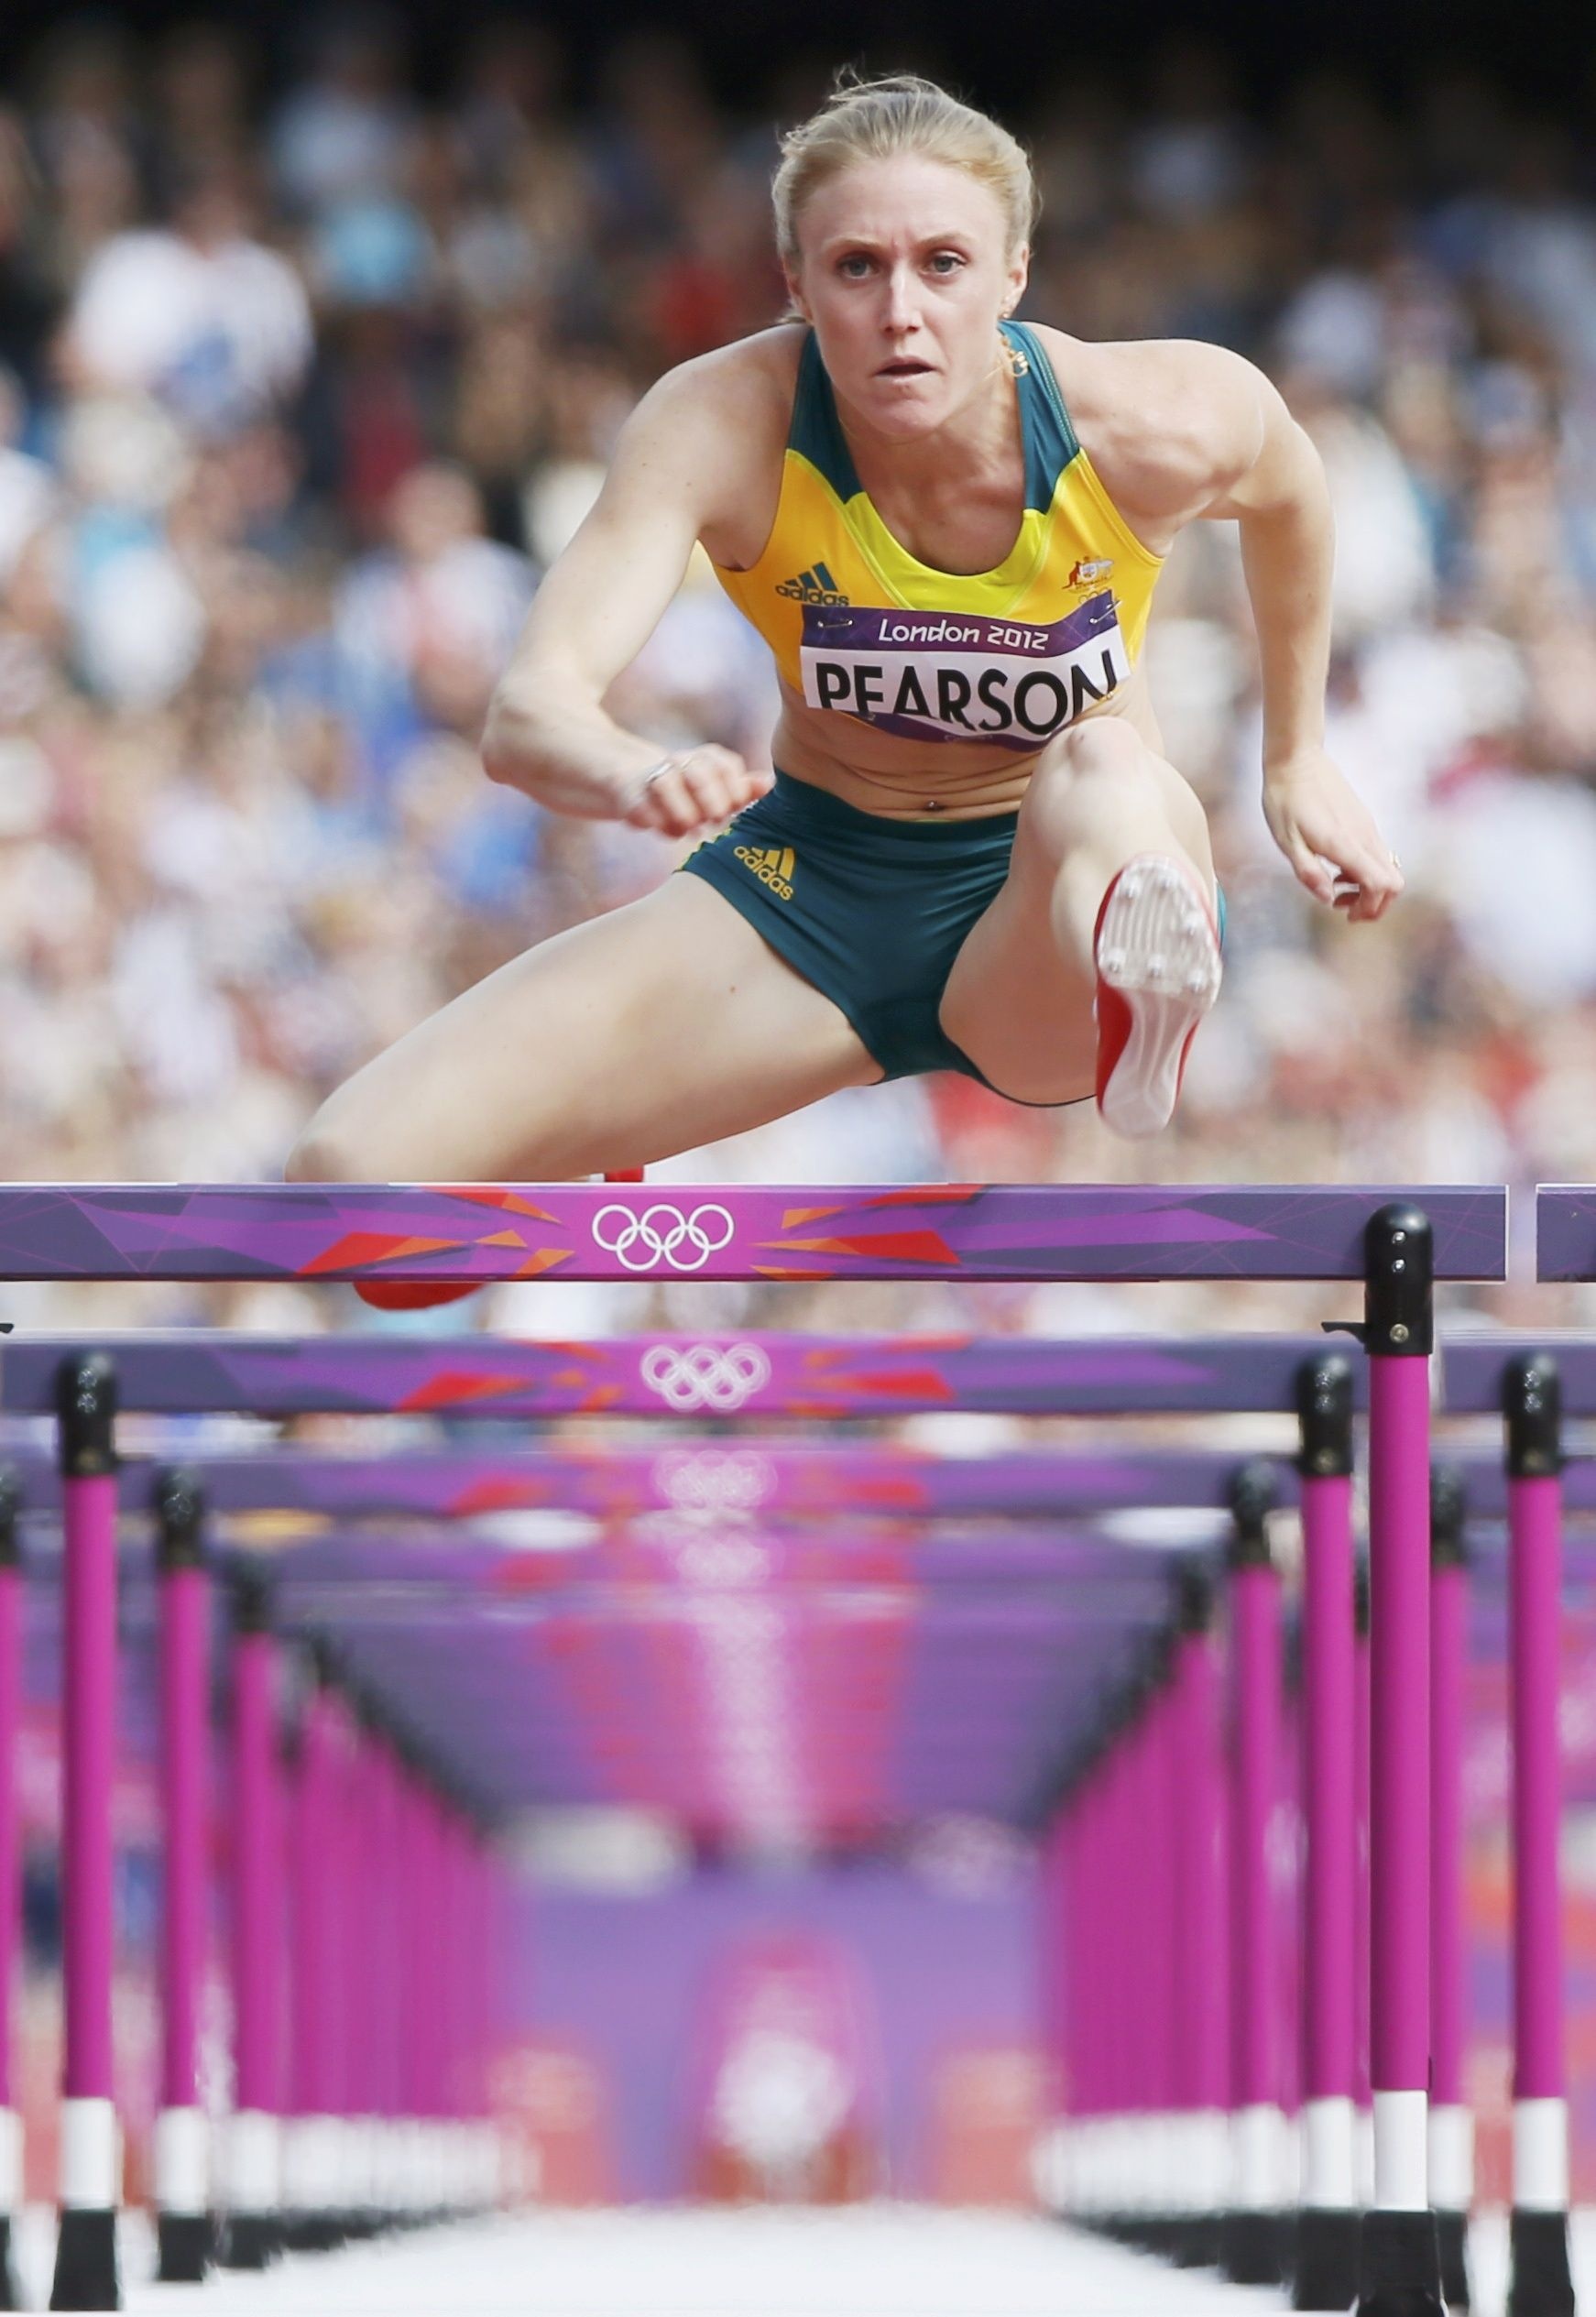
906,368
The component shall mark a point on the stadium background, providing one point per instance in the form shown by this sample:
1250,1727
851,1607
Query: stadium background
312,345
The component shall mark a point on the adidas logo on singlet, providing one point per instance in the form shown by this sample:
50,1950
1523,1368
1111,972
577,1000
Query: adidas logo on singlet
814,587
773,865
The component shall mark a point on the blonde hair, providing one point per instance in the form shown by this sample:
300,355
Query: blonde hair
875,120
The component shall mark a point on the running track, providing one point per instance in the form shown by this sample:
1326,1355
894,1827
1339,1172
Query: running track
875,2261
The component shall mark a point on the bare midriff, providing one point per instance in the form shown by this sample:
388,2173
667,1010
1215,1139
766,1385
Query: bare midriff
912,781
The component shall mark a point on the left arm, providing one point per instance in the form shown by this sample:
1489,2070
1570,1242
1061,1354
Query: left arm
1270,478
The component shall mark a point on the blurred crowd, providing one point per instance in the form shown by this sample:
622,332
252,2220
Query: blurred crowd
305,376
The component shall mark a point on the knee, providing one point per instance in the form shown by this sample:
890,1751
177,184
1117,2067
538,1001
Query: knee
1099,766
1085,784
323,1155
1103,746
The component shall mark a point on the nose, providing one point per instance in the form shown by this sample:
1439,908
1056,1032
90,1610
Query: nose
902,311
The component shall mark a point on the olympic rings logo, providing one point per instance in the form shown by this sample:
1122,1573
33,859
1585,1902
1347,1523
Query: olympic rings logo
705,1375
705,1481
662,1234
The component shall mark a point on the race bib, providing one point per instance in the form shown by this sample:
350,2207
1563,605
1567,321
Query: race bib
959,676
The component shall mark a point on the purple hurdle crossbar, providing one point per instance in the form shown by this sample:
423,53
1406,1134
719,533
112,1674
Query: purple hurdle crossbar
480,1232
1542,2286
85,2267
1451,2124
685,1378
10,1869
1325,2269
182,2187
253,2185
771,1477
1251,2246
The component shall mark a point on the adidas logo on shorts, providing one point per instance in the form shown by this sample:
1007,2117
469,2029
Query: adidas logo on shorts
813,586
773,865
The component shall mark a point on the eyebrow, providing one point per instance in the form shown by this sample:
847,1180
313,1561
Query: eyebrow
956,235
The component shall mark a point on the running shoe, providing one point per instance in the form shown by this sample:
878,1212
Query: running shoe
1156,948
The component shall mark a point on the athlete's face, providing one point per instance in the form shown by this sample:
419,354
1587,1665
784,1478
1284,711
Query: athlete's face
904,270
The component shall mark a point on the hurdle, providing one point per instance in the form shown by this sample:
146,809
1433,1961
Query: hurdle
10,1869
693,1379
1451,2123
478,1234
781,1483
1325,2271
253,2149
182,2184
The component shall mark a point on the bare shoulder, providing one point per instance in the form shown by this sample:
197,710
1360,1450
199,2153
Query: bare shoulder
749,384
1171,424
714,429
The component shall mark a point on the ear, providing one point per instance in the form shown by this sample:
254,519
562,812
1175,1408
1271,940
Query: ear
796,292
1019,274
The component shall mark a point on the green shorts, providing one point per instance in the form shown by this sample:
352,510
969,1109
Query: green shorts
871,912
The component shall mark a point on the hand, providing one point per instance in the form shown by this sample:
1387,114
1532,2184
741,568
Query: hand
1328,833
693,789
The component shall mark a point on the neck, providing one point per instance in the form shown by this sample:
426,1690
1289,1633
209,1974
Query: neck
972,440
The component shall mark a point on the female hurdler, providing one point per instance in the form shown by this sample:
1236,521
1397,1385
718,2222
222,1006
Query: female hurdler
973,854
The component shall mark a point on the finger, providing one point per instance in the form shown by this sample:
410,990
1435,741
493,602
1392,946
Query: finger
1313,872
1379,880
666,805
710,786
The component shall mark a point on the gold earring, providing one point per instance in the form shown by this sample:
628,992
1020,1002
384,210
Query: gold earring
1018,362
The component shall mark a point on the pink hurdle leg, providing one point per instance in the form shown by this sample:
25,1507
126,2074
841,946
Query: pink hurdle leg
1201,1949
1541,2283
1451,2125
1251,2241
1399,2255
1327,2253
10,1868
182,2182
85,2266
252,2187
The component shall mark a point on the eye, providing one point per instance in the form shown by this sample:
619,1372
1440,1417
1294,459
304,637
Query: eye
854,266
946,262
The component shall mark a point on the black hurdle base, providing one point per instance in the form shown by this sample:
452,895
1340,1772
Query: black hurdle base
1542,2286
9,2298
1325,2270
1452,2230
250,2240
313,2231
1250,2247
186,2246
1197,2243
1399,2266
86,2260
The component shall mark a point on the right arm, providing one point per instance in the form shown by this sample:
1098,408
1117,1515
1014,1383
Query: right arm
548,732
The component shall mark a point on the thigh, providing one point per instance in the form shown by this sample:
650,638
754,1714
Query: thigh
1015,1002
645,1032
